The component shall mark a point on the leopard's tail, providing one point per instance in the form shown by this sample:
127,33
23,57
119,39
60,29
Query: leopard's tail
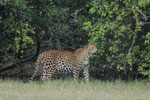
37,65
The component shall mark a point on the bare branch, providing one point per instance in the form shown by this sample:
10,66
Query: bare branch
145,17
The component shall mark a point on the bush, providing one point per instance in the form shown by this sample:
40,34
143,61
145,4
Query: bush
117,27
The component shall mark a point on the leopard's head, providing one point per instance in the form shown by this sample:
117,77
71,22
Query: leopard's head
91,49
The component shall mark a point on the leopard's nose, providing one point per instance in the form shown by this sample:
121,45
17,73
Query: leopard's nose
96,51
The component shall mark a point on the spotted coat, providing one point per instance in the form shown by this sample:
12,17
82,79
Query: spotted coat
55,61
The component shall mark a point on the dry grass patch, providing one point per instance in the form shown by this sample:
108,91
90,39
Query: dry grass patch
74,90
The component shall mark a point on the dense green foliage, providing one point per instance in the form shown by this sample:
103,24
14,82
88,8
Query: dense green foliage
119,28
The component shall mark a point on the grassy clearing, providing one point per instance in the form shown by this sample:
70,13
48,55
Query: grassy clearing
74,90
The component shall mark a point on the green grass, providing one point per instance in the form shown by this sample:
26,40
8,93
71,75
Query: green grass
74,90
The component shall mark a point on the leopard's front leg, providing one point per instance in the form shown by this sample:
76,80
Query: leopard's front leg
86,73
76,73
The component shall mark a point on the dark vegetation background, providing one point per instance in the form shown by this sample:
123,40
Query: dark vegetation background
119,28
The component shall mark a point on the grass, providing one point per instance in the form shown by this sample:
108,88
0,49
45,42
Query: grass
74,90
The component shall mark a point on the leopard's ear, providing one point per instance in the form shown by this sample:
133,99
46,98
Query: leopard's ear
86,46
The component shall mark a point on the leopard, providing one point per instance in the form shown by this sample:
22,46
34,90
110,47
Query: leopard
55,61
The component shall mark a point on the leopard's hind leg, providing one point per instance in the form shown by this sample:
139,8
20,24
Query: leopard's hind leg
48,71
